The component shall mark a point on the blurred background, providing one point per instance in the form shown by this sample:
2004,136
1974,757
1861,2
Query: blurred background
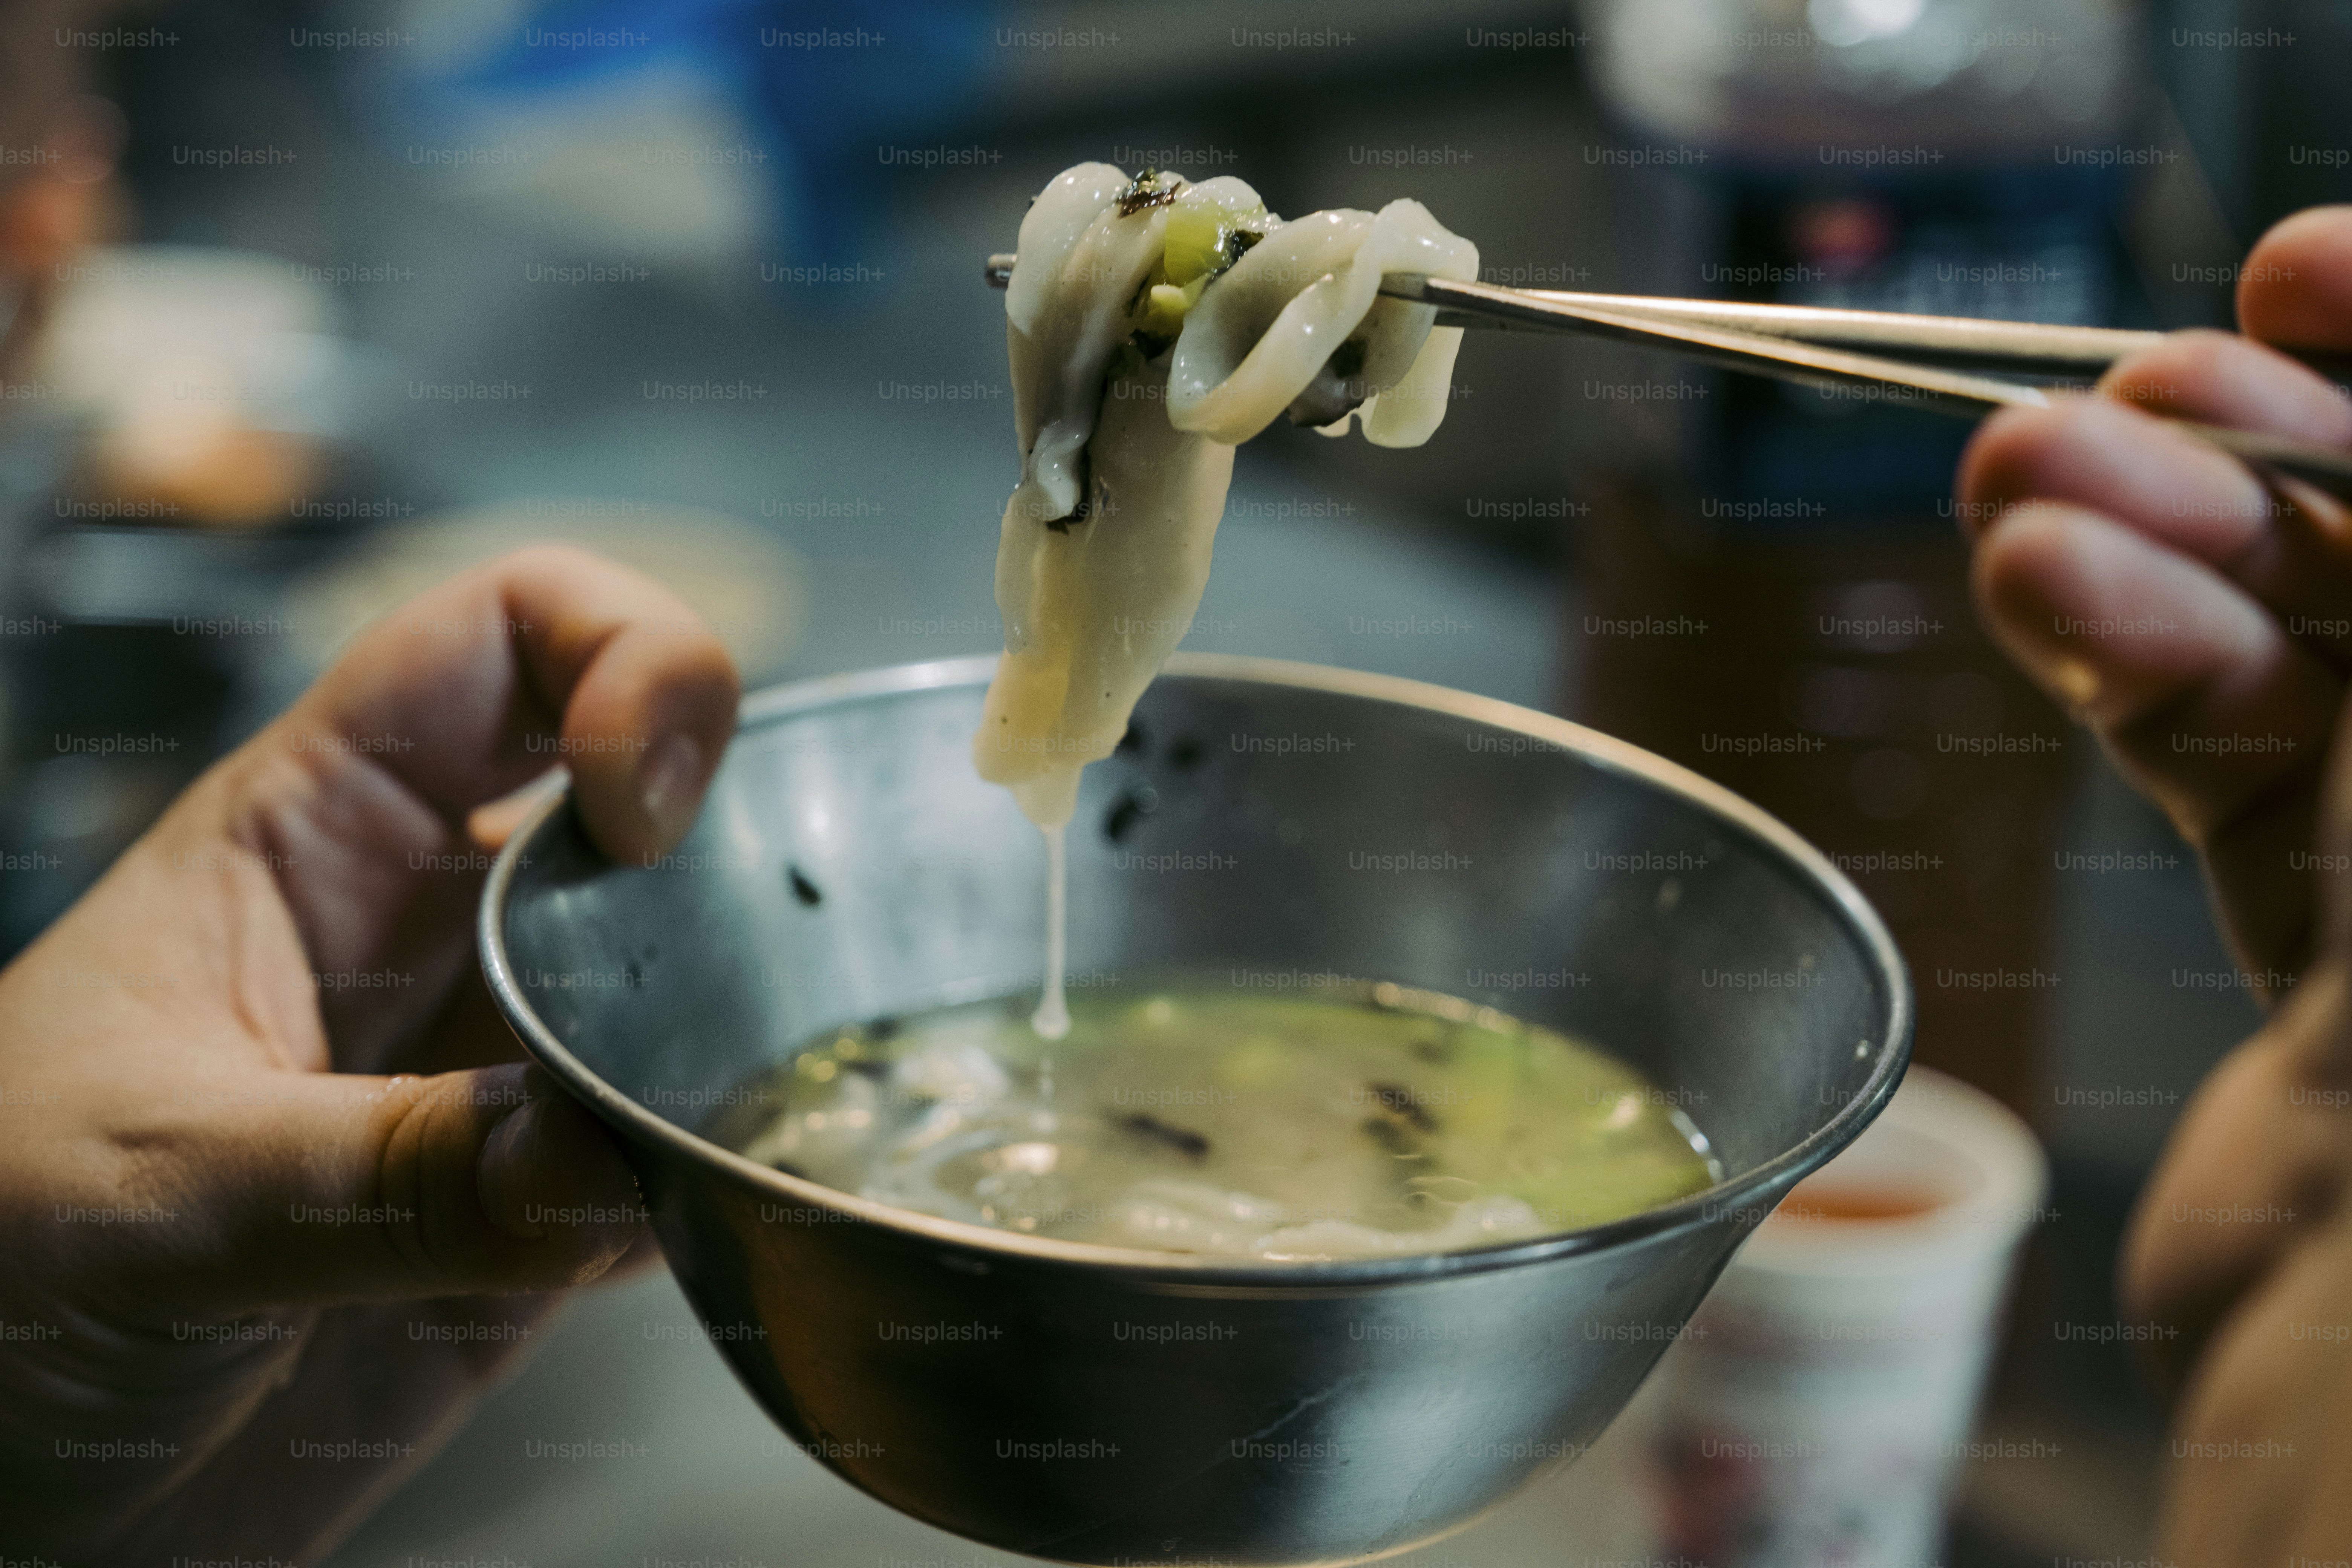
302,306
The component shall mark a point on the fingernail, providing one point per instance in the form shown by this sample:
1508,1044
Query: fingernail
505,1176
547,1165
670,785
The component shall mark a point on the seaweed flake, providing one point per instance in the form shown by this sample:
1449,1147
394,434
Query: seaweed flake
1398,1102
1392,1136
1131,808
1191,1145
1143,193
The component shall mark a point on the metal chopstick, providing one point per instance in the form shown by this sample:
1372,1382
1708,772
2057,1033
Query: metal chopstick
1943,391
2040,349
1694,329
2022,348
1960,342
1927,386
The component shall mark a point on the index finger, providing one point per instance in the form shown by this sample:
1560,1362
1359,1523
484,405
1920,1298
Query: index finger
544,656
2295,289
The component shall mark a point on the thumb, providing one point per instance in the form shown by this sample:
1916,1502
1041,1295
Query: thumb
344,1188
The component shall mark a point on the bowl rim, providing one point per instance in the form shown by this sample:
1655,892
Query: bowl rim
1734,1199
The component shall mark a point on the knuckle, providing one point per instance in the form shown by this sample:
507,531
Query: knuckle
428,1215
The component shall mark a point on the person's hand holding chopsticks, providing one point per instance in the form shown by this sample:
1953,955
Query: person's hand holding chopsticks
2200,621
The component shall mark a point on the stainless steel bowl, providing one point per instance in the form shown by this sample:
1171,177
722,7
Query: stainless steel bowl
1103,1406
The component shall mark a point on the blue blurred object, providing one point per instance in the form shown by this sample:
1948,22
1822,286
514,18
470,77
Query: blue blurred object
820,88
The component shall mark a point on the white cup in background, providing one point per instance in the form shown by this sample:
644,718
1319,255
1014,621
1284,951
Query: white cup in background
1813,1412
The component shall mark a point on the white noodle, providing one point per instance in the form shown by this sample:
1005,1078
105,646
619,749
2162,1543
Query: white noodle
1266,332
1051,1019
1125,459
